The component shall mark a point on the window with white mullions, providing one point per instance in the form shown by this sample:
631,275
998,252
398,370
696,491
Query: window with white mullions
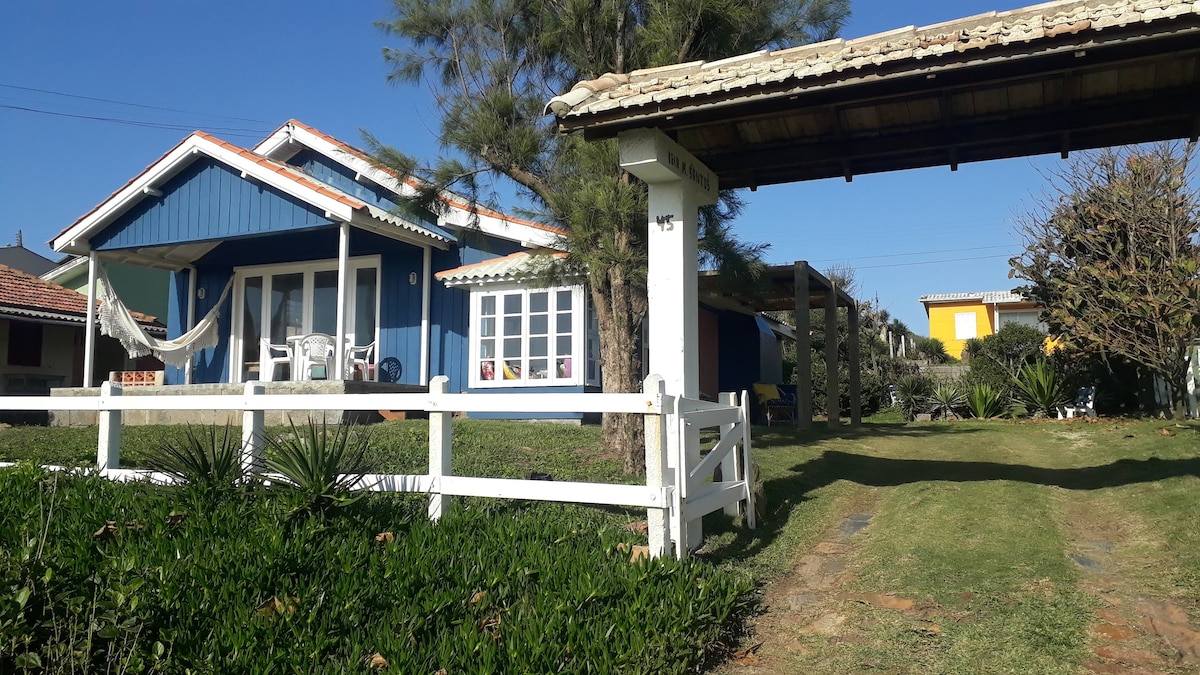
526,337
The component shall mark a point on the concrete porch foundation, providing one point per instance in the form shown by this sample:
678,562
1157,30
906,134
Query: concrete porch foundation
78,418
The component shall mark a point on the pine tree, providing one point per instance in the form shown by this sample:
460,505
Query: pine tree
493,64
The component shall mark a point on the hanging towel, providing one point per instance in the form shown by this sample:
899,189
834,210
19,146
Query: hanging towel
117,322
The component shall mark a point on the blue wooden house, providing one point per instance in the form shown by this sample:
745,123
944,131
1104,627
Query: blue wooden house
311,237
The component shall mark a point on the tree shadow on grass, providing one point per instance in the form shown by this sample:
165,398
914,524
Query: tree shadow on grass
785,493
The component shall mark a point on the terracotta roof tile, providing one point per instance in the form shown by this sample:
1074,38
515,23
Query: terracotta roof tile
21,291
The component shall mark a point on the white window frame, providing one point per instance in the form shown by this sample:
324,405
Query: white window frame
959,325
578,342
1003,314
308,268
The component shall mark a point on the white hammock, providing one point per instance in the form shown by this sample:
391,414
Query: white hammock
117,322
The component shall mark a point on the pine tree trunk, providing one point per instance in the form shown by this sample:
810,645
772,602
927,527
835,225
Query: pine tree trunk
618,312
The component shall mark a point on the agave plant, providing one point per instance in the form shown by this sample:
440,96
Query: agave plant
985,401
946,399
205,458
320,462
912,395
1038,387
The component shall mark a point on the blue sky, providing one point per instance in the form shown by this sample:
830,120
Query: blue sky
240,69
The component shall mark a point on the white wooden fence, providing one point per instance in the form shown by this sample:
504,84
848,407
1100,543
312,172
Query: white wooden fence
676,494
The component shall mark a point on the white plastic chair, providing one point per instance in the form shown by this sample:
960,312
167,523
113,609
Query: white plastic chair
1085,404
359,356
271,356
313,350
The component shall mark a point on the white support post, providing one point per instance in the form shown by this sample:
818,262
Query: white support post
1193,374
108,445
339,338
89,324
729,463
426,280
191,323
678,185
440,441
747,464
252,430
833,406
657,519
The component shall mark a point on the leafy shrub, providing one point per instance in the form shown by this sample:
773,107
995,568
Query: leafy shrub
932,349
996,359
1038,388
946,400
985,402
913,394
203,458
320,462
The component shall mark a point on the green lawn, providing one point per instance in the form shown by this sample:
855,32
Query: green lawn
964,547
971,532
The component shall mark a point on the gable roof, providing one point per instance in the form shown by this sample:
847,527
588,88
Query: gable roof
514,267
986,297
26,296
20,258
336,204
282,144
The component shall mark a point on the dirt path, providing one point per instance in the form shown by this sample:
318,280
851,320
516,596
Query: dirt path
1136,631
805,602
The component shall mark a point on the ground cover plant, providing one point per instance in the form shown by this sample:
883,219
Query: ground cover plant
100,576
997,546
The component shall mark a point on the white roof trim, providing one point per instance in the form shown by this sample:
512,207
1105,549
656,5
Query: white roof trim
278,145
64,269
74,240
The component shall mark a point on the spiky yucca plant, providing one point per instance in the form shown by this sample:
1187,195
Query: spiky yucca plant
946,400
204,458
986,402
320,462
1038,388
912,395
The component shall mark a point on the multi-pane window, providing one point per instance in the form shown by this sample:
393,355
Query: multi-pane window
526,337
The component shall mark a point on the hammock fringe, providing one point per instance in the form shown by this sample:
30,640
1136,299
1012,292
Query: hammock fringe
117,322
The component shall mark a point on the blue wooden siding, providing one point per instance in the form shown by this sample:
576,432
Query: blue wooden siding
210,365
739,351
400,312
206,201
339,176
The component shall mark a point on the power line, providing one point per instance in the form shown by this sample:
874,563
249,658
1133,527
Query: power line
134,105
898,255
232,131
931,262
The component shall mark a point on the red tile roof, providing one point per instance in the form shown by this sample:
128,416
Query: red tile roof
20,291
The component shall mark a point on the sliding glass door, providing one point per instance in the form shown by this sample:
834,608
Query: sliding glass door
279,302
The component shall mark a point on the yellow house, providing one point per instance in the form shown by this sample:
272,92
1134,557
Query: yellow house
956,317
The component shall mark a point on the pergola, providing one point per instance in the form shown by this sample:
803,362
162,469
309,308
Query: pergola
799,288
1054,77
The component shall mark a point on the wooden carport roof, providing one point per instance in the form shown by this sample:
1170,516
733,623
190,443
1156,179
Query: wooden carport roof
1055,77
777,294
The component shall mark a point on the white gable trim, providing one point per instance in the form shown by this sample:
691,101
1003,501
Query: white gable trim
75,238
281,145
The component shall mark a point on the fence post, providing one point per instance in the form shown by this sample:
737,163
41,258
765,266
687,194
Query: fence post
747,465
252,429
658,525
729,468
440,437
108,446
